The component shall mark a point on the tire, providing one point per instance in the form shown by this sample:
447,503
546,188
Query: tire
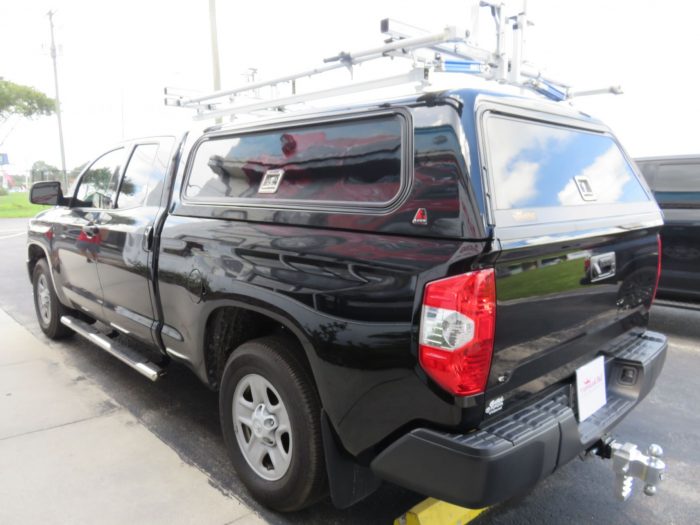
278,454
48,308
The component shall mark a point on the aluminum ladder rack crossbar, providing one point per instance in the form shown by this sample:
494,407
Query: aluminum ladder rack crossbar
462,57
416,76
342,60
460,49
496,65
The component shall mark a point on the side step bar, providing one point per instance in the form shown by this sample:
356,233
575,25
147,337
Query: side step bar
123,353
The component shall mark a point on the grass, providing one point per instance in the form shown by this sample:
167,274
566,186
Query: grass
566,275
17,205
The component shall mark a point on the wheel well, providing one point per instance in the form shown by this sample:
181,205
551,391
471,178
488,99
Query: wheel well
229,327
34,253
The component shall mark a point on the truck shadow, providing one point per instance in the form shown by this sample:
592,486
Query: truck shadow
676,319
183,413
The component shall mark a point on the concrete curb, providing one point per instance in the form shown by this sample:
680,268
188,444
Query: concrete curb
70,454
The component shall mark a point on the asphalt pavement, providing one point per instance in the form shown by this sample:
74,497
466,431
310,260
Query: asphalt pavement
182,413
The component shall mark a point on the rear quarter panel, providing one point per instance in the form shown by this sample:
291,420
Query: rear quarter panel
351,299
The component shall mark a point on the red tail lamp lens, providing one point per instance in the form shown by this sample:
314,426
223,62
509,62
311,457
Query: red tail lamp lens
458,321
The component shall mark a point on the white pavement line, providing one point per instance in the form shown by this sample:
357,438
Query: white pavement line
691,347
11,236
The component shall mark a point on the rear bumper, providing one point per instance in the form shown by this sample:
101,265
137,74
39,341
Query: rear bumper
507,457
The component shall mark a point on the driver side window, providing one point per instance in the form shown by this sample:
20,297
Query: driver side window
98,185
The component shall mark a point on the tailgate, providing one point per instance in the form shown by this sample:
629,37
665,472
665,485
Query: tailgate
577,250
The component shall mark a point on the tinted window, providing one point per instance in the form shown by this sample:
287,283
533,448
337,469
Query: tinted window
536,165
144,173
648,169
99,183
358,161
677,183
678,177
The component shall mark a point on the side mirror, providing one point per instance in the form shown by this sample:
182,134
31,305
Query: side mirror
47,193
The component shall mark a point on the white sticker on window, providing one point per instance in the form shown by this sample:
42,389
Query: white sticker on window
584,188
271,181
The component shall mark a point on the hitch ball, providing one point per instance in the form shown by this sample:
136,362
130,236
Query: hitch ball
628,463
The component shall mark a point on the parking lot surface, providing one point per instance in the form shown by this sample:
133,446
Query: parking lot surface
181,412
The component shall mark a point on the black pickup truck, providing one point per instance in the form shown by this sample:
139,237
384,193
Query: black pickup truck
675,181
449,292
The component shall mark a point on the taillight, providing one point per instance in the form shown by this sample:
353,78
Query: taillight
658,269
457,327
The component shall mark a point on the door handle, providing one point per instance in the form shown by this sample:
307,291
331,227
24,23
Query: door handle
148,238
602,266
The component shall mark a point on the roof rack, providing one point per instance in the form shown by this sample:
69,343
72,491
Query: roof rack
451,52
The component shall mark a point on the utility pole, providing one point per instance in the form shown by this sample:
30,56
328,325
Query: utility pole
214,48
58,99
214,45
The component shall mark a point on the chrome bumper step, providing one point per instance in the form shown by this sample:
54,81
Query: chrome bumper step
122,352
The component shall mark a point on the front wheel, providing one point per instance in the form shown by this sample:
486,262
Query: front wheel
48,308
270,417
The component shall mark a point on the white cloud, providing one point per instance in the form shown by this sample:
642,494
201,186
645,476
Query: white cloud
516,180
607,175
517,185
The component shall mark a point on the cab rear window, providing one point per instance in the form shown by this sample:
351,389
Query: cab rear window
535,165
355,161
675,184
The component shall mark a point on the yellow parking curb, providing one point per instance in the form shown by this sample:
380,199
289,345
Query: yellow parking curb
435,512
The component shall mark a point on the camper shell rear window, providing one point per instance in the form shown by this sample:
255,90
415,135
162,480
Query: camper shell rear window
536,165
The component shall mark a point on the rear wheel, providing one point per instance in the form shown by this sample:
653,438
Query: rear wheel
48,308
270,417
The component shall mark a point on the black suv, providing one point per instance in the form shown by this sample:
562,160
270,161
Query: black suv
448,291
675,181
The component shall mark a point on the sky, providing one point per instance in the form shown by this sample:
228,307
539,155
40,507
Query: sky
115,58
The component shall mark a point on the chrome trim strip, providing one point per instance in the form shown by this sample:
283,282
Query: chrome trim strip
551,238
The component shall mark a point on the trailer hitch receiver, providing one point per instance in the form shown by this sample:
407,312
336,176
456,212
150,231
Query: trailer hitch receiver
628,463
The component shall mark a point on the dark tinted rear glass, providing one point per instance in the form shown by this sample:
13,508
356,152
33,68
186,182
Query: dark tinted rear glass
536,165
673,183
678,177
354,161
677,197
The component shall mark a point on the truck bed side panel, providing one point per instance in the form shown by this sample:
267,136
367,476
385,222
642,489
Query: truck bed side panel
350,298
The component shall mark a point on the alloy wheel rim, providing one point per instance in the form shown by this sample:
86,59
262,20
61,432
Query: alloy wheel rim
44,299
262,427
